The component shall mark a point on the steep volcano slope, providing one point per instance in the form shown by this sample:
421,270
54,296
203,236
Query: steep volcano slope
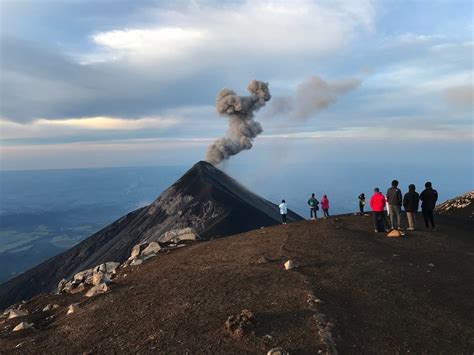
355,291
204,198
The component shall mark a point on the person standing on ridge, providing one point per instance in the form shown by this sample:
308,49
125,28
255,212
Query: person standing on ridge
394,199
411,200
283,211
361,203
377,204
428,196
325,206
313,207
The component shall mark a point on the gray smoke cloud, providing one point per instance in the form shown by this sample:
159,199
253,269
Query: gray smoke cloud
312,95
242,126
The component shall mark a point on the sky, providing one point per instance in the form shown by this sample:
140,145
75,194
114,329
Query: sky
127,83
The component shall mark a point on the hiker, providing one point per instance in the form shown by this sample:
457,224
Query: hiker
428,198
377,204
325,206
313,207
411,200
394,199
283,211
361,203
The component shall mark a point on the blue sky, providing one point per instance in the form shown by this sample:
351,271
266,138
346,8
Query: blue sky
119,83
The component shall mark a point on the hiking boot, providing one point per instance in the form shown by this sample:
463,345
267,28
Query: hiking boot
410,229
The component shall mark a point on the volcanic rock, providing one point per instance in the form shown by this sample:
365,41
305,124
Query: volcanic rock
97,290
22,326
72,309
15,313
290,264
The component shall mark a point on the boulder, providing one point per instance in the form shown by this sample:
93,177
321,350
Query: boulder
77,288
15,313
111,267
83,275
97,290
136,251
62,285
177,235
100,277
72,309
101,268
22,326
152,248
290,264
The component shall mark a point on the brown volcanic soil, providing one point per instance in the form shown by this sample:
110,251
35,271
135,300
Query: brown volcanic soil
379,295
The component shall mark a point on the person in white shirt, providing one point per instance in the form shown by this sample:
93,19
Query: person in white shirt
283,211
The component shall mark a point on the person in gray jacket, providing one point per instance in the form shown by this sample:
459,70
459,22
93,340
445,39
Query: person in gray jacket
394,199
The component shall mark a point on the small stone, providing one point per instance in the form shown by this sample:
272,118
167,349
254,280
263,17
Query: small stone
97,290
290,264
431,265
72,309
277,351
16,313
22,326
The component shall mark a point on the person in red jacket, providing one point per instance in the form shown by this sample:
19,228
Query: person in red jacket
325,206
377,204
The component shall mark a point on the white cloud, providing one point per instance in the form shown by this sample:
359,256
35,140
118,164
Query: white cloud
41,128
253,29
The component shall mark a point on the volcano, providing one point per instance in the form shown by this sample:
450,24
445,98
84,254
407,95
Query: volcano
205,199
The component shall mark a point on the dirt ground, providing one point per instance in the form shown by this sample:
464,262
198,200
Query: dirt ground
354,291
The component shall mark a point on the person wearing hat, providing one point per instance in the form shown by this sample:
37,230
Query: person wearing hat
428,198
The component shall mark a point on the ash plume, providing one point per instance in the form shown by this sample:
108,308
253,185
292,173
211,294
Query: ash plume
312,95
242,126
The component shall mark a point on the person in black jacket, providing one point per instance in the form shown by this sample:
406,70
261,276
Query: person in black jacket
394,199
428,196
361,203
411,200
